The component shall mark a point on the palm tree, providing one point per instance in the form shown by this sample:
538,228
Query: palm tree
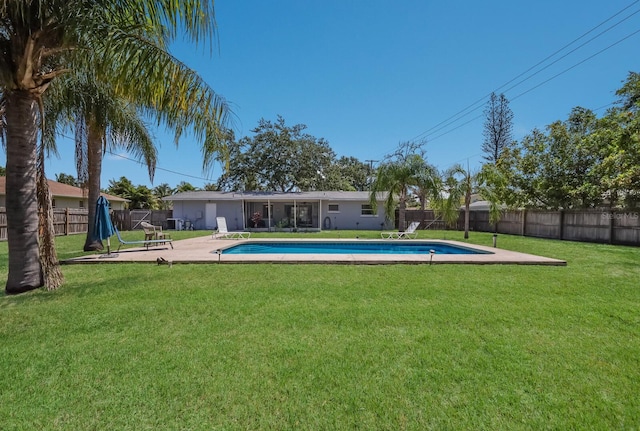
102,121
452,189
163,190
185,186
426,184
469,182
125,44
491,181
396,177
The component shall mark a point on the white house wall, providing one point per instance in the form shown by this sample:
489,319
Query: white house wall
232,211
195,212
68,202
349,216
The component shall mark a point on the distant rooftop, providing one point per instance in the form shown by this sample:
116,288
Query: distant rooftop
274,196
64,190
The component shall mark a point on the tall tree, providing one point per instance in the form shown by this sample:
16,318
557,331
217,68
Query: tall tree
629,93
354,174
278,157
67,179
498,127
556,169
140,197
122,187
43,39
102,121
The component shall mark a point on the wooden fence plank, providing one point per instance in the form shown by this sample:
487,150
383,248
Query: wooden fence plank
72,221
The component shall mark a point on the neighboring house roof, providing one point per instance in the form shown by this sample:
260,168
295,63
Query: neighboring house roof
273,196
481,206
63,190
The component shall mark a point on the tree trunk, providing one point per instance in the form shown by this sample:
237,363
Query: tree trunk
25,270
48,257
401,212
94,164
467,202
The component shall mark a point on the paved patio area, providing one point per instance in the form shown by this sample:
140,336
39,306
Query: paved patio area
203,250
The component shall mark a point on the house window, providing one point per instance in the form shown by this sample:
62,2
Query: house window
81,204
334,208
267,211
53,203
366,210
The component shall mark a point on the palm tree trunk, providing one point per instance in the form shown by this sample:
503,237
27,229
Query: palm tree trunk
25,270
94,164
401,212
467,202
48,257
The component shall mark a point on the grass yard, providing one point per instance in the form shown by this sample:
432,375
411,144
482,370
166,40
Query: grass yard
237,347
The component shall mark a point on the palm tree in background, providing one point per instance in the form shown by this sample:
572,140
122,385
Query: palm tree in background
397,177
161,191
426,184
452,189
124,44
102,121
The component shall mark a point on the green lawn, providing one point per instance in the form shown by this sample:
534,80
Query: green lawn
237,347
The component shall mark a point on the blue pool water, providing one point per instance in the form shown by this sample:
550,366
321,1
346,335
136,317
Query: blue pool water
342,247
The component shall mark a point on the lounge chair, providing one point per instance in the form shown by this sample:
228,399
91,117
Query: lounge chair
146,242
224,233
410,233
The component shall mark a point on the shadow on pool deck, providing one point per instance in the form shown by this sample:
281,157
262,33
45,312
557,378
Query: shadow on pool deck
203,250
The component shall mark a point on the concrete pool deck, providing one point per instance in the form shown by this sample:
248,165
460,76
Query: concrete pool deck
203,250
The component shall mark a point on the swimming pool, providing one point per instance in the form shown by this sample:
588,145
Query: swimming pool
349,247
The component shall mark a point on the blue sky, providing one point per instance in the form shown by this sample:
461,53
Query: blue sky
367,75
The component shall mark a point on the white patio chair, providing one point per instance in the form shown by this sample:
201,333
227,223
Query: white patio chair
410,233
224,233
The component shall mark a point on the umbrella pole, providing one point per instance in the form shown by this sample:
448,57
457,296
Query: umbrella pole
108,245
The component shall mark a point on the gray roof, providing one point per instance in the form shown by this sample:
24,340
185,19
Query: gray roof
273,196
481,206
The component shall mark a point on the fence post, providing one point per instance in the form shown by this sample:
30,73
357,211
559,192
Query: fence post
561,224
66,221
524,222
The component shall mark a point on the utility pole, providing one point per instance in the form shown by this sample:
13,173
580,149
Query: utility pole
370,179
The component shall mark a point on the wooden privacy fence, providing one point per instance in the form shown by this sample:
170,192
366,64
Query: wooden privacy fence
66,221
602,226
69,221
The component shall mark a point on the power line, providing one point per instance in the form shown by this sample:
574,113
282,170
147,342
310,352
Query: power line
457,116
542,83
157,168
577,64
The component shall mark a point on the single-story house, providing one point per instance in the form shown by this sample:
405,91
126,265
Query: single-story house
66,196
278,210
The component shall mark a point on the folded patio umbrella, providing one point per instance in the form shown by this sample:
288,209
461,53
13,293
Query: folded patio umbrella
102,227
